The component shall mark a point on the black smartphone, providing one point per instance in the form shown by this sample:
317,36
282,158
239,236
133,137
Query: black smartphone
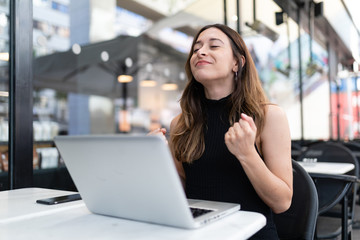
59,199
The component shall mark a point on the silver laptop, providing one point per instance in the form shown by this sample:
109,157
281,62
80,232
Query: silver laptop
134,177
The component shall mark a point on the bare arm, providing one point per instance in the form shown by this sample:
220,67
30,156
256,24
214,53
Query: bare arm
271,178
159,132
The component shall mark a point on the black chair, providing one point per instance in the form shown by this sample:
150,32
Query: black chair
335,192
299,221
331,152
355,149
335,201
296,149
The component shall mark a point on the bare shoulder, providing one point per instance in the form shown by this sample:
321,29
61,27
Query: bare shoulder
275,125
274,113
276,139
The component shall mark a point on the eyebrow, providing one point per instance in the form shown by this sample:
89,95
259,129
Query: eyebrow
211,40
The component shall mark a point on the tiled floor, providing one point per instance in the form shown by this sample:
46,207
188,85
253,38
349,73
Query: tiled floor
356,229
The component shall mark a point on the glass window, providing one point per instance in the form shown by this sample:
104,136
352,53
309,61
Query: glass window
275,52
103,68
316,97
4,94
345,106
108,67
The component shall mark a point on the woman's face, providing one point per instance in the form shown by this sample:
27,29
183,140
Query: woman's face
212,58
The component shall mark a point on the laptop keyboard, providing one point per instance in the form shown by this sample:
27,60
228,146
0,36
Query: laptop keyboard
197,212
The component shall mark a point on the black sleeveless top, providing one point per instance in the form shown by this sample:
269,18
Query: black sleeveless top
218,175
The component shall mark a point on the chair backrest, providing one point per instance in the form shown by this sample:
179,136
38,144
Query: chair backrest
296,149
331,152
299,221
354,147
334,189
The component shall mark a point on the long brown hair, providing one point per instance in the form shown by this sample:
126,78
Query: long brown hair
187,137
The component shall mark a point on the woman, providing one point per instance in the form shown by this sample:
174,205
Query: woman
229,143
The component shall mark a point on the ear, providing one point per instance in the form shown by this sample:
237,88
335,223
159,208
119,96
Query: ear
242,60
236,66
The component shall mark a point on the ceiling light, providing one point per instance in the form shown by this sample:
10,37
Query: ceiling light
169,86
4,94
76,48
148,83
124,78
4,56
104,56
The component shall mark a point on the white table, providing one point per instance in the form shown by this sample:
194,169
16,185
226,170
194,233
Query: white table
22,218
327,167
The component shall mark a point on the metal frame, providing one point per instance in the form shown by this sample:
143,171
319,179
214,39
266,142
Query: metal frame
20,95
298,20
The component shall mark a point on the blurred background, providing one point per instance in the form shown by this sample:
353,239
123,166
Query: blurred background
117,66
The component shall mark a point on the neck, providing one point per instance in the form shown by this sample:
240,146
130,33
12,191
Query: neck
217,92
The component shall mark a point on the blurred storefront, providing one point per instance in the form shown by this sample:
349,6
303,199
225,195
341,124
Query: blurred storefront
83,49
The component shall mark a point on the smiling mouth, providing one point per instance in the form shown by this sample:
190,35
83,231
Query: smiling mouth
202,63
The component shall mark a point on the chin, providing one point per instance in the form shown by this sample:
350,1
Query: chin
203,78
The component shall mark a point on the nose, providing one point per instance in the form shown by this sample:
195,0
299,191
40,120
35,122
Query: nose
201,52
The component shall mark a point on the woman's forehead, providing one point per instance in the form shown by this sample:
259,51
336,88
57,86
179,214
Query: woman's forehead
212,34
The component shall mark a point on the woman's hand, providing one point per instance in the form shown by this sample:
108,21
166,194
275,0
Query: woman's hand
240,138
159,132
